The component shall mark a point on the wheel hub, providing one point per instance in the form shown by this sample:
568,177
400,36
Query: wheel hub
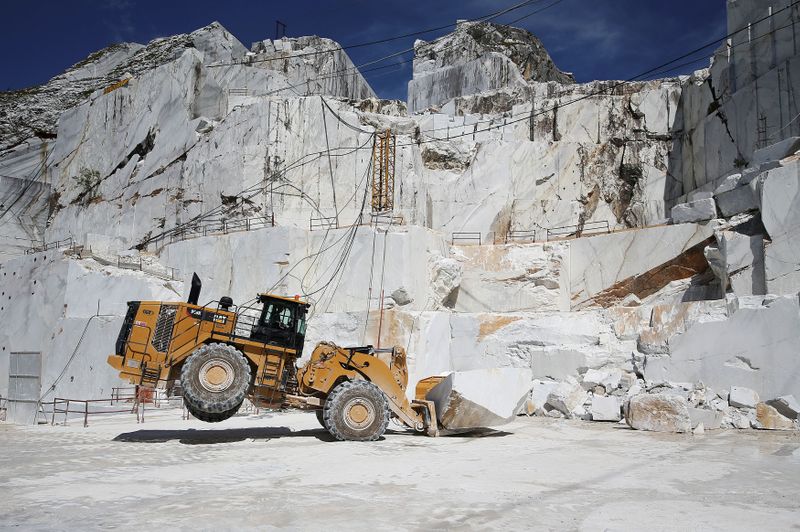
216,375
358,414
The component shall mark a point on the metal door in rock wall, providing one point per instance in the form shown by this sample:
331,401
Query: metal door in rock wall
24,386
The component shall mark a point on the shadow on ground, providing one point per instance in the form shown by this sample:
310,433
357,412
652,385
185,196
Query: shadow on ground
206,437
213,436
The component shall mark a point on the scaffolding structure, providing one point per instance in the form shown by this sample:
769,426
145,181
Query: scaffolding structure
383,157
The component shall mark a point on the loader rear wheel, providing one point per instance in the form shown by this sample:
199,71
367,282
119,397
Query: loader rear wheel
211,417
356,411
215,379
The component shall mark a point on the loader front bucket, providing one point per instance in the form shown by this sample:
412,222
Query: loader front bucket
477,398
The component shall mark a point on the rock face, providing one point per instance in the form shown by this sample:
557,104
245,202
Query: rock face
597,265
750,82
754,348
780,212
56,314
477,57
659,413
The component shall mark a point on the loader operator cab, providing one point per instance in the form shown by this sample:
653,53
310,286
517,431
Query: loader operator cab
282,322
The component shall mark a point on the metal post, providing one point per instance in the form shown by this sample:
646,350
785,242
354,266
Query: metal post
380,321
86,415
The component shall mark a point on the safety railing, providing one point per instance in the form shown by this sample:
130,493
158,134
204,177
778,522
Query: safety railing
575,231
87,407
385,218
216,227
131,394
465,237
323,223
137,264
58,244
521,236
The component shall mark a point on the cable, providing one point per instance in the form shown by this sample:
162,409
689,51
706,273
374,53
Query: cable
330,162
595,93
52,387
28,185
251,192
379,41
404,51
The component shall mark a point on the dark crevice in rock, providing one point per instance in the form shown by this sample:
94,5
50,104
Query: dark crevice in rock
141,149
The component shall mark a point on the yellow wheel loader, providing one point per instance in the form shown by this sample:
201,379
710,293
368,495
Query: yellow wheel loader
221,354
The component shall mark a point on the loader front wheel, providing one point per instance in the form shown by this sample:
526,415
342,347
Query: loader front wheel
321,418
356,411
215,379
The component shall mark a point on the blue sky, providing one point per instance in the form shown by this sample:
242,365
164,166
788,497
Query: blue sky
594,39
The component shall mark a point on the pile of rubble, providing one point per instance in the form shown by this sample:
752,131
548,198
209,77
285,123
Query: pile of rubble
614,395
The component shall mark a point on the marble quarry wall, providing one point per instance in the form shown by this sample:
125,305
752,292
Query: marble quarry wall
744,102
631,245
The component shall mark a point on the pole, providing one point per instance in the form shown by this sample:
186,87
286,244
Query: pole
380,323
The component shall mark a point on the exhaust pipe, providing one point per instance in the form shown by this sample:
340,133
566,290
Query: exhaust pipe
194,293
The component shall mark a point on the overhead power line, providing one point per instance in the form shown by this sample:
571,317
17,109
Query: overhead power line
359,68
611,87
488,16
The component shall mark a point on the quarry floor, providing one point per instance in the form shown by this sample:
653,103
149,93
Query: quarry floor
283,471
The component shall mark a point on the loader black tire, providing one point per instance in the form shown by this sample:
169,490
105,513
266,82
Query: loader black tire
215,379
356,411
321,418
212,418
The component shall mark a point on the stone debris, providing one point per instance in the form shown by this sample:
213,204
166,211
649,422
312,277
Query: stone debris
568,398
540,391
741,397
658,412
768,418
710,419
777,151
610,380
787,405
699,429
694,211
481,397
605,408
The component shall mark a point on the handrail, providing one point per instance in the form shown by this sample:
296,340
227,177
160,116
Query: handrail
62,406
523,235
126,394
578,229
174,273
386,218
66,243
470,236
323,222
216,227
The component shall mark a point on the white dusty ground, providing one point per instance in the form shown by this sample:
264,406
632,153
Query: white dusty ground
283,471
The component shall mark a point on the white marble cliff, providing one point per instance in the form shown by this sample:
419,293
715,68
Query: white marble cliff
677,272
